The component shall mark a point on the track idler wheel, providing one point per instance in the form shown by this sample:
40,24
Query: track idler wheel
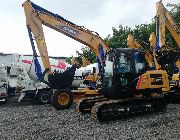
62,99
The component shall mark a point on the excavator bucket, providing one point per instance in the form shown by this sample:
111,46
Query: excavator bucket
62,80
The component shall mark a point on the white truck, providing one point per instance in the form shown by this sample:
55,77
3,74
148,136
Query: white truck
18,77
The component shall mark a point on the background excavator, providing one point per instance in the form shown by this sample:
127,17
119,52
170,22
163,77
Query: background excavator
168,56
36,16
171,96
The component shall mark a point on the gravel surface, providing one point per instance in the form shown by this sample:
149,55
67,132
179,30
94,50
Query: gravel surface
39,122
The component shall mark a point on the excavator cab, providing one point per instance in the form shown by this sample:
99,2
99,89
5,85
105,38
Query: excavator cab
123,67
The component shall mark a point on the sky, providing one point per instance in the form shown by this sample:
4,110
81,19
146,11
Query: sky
97,15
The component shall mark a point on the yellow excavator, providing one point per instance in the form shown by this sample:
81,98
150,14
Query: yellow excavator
128,87
163,55
168,55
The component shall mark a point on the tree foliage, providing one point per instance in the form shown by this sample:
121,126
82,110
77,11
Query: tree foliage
118,40
85,52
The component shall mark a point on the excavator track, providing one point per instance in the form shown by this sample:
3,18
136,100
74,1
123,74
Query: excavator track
85,105
117,109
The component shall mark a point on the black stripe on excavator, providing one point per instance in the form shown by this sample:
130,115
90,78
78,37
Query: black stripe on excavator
38,8
157,83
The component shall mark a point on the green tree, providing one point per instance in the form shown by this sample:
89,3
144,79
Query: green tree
119,37
85,52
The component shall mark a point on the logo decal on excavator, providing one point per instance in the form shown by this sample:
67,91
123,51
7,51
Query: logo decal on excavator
68,30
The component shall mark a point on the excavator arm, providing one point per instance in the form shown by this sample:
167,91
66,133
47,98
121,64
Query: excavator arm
34,26
165,19
37,16
132,43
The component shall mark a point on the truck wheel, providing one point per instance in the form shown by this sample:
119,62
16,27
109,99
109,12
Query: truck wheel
62,99
43,97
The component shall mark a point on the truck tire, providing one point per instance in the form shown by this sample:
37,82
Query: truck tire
62,99
43,97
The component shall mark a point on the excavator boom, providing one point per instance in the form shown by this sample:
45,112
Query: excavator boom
36,16
165,19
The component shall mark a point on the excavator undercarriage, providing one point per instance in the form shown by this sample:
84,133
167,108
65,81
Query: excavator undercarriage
117,109
103,109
